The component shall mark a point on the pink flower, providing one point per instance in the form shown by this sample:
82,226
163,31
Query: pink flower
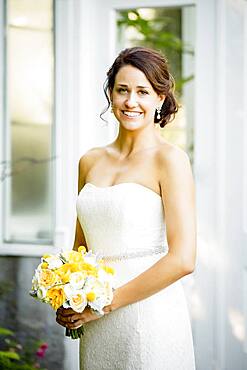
41,350
40,353
44,346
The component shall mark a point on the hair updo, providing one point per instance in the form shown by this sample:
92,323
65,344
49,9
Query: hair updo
154,65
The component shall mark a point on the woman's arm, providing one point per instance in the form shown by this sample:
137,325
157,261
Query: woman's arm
178,194
79,235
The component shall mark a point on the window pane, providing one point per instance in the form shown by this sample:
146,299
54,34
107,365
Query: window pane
28,188
171,30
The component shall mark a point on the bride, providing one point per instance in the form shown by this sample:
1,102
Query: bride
136,203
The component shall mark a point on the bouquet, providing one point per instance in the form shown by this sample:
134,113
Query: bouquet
74,279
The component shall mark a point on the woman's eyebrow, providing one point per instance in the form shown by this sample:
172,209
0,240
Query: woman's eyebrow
139,87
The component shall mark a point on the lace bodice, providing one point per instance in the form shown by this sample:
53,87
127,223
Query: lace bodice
128,213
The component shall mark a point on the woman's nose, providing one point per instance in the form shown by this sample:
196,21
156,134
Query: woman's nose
131,100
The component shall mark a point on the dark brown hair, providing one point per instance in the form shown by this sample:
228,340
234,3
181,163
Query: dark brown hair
154,65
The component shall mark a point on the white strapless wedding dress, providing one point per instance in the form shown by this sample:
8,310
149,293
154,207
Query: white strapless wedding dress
125,222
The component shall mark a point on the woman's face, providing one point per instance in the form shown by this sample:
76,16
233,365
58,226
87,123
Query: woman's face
133,99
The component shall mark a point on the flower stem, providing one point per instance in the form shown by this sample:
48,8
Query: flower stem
74,333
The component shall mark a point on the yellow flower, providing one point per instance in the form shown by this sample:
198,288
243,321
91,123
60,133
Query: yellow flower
90,269
109,270
75,257
47,278
44,265
91,296
66,270
82,249
56,297
46,256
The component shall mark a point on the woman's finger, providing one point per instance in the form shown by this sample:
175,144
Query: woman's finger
75,320
65,311
69,318
70,325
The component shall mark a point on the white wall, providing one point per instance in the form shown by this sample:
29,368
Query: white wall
221,174
219,298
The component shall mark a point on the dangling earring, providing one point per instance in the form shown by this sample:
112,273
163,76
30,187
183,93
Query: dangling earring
111,107
158,113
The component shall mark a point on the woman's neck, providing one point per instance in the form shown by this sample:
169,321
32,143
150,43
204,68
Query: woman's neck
130,142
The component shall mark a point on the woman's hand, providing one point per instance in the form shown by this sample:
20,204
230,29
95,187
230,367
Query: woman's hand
74,320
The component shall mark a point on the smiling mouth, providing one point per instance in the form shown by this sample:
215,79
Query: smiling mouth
131,114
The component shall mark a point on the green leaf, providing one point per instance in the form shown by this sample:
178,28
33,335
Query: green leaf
6,332
10,355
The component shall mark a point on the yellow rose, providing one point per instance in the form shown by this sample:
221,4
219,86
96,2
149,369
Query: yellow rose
47,278
66,270
91,296
56,296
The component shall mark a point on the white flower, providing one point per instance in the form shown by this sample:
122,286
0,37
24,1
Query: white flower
66,305
95,285
54,262
77,279
78,302
69,291
39,267
91,259
41,293
103,276
35,283
102,290
108,293
98,305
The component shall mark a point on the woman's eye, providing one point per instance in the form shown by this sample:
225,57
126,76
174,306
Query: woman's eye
143,92
122,90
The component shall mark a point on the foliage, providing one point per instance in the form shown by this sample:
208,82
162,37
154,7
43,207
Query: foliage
13,356
161,32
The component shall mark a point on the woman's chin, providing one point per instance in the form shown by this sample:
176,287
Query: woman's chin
131,126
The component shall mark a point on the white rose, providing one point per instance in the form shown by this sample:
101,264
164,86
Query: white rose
77,279
78,302
69,291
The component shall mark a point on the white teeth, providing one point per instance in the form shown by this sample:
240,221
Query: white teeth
132,114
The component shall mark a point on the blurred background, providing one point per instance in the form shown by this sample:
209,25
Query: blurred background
54,55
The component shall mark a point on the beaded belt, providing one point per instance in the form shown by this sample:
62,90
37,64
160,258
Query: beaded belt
129,255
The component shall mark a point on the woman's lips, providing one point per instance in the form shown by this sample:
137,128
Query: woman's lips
131,114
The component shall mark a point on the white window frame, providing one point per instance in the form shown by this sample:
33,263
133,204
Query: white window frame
66,121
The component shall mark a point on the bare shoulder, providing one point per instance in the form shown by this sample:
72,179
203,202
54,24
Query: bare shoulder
173,163
90,156
170,156
87,161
